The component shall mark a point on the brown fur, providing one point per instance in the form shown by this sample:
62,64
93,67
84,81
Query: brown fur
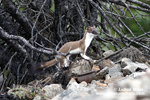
51,62
65,48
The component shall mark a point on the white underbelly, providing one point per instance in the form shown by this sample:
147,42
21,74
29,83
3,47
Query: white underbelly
78,50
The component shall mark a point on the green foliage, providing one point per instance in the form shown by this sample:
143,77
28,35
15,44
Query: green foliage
136,23
143,22
22,8
25,93
52,7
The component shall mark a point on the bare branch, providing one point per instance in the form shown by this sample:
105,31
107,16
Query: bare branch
49,51
115,29
5,35
140,3
119,2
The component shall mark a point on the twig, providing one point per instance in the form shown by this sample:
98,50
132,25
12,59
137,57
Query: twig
115,29
140,3
8,70
32,31
119,2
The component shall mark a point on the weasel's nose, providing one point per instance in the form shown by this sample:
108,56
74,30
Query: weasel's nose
95,32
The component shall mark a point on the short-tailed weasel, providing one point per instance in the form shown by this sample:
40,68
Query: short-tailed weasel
74,47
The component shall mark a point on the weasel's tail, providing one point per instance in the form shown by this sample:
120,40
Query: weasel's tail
47,64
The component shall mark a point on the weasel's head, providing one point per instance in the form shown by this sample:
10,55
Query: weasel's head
92,30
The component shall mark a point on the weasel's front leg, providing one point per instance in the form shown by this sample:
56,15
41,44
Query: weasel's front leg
85,56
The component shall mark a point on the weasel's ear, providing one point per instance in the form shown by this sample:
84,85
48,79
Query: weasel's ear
88,28
94,26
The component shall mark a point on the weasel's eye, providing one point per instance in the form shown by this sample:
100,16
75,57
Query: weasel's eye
94,32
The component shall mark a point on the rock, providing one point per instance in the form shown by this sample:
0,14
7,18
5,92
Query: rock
126,89
114,74
137,74
101,74
139,86
130,67
52,90
115,71
108,53
73,85
97,86
37,97
95,68
117,78
132,53
73,80
141,66
126,72
83,84
125,62
106,63
74,90
77,91
117,75
81,66
110,95
148,70
107,77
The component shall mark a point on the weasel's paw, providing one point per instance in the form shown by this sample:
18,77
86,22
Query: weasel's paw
95,61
